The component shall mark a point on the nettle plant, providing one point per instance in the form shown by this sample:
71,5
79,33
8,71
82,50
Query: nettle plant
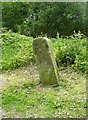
71,51
17,50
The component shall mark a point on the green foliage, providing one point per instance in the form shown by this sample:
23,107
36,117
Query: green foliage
71,51
44,17
16,50
13,14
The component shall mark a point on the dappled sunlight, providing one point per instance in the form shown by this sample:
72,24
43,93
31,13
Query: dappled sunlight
67,99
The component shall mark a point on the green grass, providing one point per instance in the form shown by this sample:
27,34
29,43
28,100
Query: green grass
24,96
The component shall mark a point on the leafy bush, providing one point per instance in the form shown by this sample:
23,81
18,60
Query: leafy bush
71,52
16,50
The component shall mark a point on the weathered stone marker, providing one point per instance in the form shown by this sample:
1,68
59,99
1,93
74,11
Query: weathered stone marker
46,63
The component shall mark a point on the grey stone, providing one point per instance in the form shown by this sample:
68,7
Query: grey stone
45,60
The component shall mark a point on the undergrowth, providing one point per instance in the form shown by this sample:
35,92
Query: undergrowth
17,51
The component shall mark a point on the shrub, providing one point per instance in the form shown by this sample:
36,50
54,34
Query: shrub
16,50
70,52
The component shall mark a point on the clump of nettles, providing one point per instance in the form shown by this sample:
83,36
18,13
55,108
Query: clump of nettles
71,51
77,35
17,50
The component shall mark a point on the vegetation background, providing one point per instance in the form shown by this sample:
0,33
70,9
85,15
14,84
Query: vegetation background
64,23
38,18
